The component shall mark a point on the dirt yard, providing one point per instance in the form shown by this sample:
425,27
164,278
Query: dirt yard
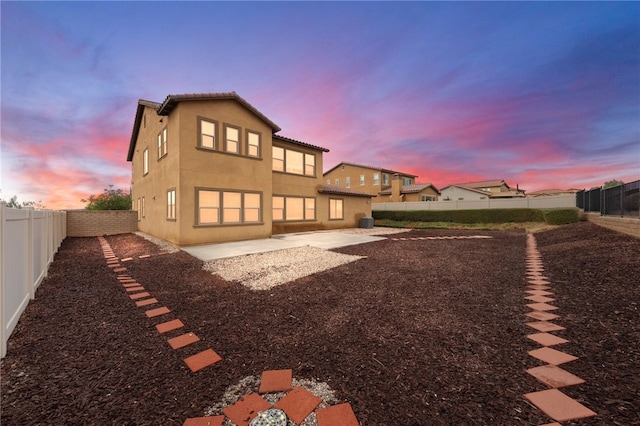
420,332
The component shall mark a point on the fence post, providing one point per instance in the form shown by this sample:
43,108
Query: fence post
3,344
622,200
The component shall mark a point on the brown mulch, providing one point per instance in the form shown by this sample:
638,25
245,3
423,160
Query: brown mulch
419,332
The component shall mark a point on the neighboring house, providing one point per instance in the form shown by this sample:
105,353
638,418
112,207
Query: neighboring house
480,190
385,184
210,168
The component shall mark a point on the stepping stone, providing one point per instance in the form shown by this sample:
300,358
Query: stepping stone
298,404
552,356
242,412
136,288
544,326
276,381
129,285
546,339
126,259
554,377
120,270
559,406
540,299
183,340
144,256
146,302
169,325
542,316
158,311
201,360
541,307
340,414
539,292
139,295
537,281
204,421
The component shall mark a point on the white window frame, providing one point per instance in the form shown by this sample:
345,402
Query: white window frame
333,210
347,182
361,180
145,162
376,178
171,204
162,143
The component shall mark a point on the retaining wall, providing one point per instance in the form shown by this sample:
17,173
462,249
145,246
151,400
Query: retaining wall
626,225
94,223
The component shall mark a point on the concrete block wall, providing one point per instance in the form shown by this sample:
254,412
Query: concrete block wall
93,223
626,225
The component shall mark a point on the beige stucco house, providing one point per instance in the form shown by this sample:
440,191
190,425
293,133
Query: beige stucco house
210,168
480,190
385,184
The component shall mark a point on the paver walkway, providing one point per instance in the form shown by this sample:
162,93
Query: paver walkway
552,402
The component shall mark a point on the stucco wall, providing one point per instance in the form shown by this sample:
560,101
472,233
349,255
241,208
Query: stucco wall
626,225
93,223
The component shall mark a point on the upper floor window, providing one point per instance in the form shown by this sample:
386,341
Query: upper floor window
361,180
294,162
376,178
407,181
162,143
253,144
145,161
347,182
171,204
385,179
328,181
336,209
337,182
208,134
232,139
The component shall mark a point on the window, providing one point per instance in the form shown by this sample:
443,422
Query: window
385,179
294,162
347,182
278,159
251,208
336,209
406,181
227,207
208,134
427,198
361,180
171,204
142,206
309,164
208,207
253,144
337,182
162,143
145,162
376,178
139,209
294,208
232,140
328,181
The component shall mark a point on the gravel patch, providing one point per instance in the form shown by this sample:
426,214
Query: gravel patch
371,231
162,244
267,270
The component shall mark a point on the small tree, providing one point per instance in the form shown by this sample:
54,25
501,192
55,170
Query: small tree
109,199
15,204
612,183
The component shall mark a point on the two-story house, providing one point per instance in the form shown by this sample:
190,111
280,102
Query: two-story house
480,190
385,184
209,168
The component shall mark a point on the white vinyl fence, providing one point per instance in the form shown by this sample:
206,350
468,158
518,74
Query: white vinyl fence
29,240
551,202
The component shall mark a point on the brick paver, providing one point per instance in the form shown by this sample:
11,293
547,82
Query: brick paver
559,406
139,295
542,316
547,339
204,421
183,340
298,404
542,307
158,311
340,414
242,412
276,381
169,326
552,356
554,376
147,302
201,360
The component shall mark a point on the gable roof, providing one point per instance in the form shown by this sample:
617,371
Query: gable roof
306,145
336,190
468,188
171,101
483,183
411,189
381,169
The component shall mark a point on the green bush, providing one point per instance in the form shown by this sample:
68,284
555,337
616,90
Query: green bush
561,216
464,216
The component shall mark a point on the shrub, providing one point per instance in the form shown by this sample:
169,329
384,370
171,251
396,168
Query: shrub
463,216
561,216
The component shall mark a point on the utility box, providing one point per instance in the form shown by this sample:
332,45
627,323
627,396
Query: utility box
366,222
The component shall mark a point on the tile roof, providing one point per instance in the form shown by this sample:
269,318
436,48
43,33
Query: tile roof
332,189
410,189
369,167
483,183
171,101
307,145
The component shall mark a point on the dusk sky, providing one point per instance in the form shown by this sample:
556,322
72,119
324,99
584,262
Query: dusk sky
541,94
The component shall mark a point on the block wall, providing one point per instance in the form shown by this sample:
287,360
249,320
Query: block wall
93,223
626,225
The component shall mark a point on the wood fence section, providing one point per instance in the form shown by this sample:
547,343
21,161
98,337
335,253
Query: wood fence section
29,240
95,223
551,202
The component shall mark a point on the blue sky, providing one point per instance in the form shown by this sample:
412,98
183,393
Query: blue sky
542,94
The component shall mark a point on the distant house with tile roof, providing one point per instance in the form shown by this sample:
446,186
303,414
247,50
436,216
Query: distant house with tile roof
211,168
385,184
551,192
480,190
